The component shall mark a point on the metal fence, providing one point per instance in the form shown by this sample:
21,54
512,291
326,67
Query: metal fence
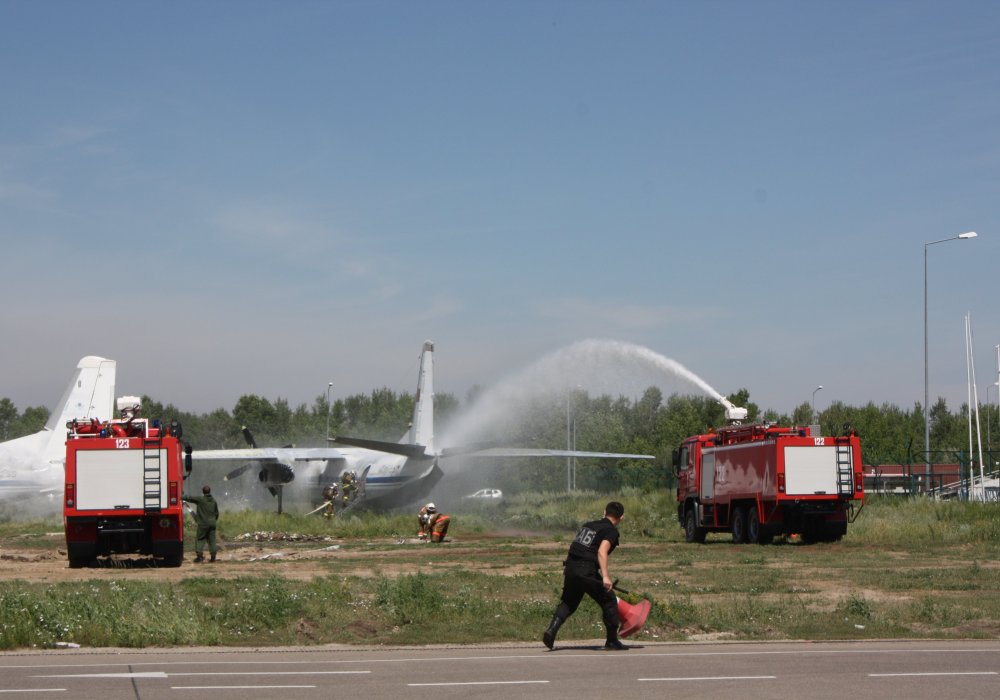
954,480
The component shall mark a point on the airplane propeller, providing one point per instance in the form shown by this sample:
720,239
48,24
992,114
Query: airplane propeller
239,471
243,468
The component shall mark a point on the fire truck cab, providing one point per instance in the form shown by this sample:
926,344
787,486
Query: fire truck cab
124,481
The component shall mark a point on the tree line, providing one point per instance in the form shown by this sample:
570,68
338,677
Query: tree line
651,424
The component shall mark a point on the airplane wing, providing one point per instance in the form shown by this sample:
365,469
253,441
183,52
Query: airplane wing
284,454
397,448
539,452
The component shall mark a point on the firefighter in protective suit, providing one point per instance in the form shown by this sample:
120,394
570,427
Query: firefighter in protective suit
330,496
422,518
436,526
348,487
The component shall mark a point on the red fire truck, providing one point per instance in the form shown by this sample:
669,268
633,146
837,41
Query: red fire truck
124,480
757,481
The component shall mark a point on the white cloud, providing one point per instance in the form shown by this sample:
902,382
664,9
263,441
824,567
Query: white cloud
20,193
437,309
74,135
263,225
619,316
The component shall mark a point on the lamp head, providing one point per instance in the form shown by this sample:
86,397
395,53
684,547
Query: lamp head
970,234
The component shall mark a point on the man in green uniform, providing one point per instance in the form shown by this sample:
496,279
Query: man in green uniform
206,516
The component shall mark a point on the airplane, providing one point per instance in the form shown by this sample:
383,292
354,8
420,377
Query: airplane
33,464
390,474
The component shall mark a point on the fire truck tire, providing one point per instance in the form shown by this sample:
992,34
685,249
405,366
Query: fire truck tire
173,561
756,532
739,525
693,533
831,532
816,530
80,555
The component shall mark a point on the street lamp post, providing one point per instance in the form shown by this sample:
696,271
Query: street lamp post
328,387
993,462
569,443
571,439
812,415
927,408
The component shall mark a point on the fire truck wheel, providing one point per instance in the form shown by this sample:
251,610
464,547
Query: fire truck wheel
739,525
753,526
756,533
693,533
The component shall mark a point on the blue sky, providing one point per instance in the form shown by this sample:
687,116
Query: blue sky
264,197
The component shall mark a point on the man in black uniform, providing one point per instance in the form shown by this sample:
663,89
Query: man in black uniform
586,571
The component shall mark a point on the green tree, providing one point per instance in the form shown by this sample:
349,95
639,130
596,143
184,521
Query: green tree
31,421
262,418
217,430
8,417
802,415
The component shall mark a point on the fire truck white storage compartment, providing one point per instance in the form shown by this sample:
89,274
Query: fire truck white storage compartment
113,479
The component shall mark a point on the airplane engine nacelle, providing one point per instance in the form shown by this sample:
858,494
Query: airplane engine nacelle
276,474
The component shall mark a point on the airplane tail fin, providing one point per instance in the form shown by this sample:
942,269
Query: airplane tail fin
422,426
90,394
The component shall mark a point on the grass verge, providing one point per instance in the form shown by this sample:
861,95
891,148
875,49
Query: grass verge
912,569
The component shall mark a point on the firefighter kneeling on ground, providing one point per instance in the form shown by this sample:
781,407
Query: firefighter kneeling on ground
330,496
433,525
422,523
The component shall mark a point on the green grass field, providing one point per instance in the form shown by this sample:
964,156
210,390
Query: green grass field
907,569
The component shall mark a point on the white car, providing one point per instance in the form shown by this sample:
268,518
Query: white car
486,493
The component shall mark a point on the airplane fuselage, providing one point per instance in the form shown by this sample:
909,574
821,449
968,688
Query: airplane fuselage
388,480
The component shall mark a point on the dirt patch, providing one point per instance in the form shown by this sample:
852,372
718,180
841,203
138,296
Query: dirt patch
280,554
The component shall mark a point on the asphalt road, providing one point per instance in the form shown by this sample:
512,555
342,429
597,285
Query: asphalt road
912,670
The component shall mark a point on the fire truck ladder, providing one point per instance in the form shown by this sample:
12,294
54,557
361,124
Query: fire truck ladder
845,471
151,476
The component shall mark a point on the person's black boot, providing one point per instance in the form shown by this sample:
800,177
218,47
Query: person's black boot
614,645
212,557
198,558
549,637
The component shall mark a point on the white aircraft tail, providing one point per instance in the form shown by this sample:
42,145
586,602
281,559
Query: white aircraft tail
418,441
422,425
90,394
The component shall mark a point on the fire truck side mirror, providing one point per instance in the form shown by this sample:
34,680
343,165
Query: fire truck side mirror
187,461
675,459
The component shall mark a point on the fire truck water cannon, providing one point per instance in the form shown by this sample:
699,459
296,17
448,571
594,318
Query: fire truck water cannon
734,414
129,407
